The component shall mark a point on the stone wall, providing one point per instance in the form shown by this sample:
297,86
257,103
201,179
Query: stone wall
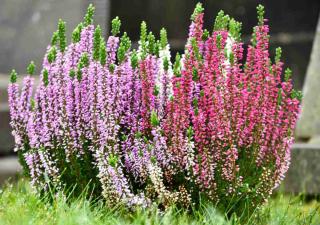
26,27
308,127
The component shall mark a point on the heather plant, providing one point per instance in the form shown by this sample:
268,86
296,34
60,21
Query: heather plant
130,126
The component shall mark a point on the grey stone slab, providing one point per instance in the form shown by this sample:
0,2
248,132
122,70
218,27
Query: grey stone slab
304,172
309,123
9,168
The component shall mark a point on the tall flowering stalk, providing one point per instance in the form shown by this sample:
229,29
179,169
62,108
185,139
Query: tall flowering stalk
136,129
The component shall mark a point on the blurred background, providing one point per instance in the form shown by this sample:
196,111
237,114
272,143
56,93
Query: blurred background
26,27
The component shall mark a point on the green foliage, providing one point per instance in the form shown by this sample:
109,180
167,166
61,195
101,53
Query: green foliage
190,132
260,12
198,10
163,38
156,90
103,53
153,159
278,54
88,18
45,78
195,102
52,54
157,48
231,58
113,160
96,43
115,26
76,34
279,99
72,73
31,68
287,74
154,119
221,22
62,35
195,48
235,29
138,135
134,59
125,45
166,64
151,43
143,31
254,38
205,35
83,62
195,76
143,39
297,95
55,38
32,104
13,76
177,66
112,67
218,40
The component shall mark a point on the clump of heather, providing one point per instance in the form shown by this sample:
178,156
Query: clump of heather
128,125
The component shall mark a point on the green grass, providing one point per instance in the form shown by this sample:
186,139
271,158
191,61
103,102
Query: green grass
20,205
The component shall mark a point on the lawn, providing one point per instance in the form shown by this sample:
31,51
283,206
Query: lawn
20,205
